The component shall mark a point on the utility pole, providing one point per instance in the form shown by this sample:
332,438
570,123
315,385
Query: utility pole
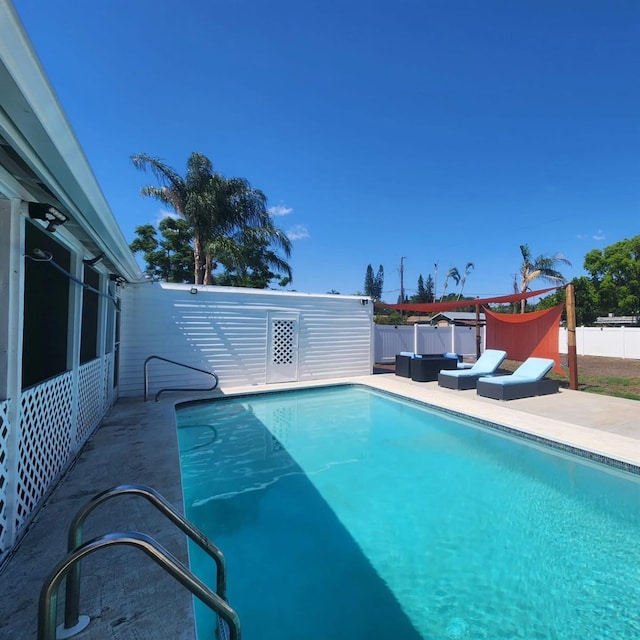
435,282
402,279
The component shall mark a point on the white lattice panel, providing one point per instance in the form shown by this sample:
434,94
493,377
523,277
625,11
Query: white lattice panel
4,473
44,441
90,398
283,341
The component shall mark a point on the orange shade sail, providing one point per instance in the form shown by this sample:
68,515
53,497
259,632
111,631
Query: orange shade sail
523,335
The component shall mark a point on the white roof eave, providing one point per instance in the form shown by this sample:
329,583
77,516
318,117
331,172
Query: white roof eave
34,123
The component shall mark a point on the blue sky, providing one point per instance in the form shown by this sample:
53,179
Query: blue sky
443,131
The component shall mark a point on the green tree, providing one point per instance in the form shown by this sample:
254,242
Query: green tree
378,284
542,267
248,260
421,292
586,299
430,291
615,274
169,257
424,293
392,317
369,282
215,208
373,284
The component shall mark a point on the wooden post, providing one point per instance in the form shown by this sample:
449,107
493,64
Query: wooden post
571,337
478,338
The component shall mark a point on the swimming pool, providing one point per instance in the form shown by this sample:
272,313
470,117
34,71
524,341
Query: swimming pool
347,513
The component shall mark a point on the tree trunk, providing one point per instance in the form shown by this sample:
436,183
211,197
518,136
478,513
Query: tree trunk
197,259
207,268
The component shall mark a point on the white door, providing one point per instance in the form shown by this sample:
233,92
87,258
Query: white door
282,348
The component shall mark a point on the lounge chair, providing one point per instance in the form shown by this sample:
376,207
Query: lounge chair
526,381
486,365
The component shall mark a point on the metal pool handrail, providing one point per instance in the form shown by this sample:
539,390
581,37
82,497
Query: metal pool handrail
180,364
74,540
47,608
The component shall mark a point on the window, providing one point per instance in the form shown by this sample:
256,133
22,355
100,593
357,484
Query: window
90,315
46,309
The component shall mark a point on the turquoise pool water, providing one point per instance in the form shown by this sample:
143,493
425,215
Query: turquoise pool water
346,513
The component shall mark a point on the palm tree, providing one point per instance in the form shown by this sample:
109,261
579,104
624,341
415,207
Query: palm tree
452,273
468,267
542,267
248,250
187,196
218,210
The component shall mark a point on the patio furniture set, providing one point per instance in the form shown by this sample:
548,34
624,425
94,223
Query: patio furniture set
526,381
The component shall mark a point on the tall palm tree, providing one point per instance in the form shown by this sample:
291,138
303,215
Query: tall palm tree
217,209
455,275
467,269
542,267
187,196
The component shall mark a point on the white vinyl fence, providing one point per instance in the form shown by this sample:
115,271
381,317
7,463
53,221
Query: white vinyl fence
420,338
611,342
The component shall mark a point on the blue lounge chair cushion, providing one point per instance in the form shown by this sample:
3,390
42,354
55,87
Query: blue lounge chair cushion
486,365
531,370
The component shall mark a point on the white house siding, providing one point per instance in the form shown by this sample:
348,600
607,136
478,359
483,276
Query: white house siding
225,330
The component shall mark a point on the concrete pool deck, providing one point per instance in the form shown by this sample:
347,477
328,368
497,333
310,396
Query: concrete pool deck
128,597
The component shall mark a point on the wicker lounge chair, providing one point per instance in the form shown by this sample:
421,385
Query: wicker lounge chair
526,381
486,365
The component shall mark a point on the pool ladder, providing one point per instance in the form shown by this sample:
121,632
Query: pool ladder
180,364
69,567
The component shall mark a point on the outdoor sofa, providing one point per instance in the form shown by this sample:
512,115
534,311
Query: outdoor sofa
526,381
424,367
486,365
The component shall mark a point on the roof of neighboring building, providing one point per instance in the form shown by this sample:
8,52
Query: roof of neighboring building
41,159
618,320
456,315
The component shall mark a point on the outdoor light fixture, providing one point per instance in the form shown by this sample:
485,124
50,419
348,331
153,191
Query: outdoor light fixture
193,290
364,301
94,261
48,213
119,280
